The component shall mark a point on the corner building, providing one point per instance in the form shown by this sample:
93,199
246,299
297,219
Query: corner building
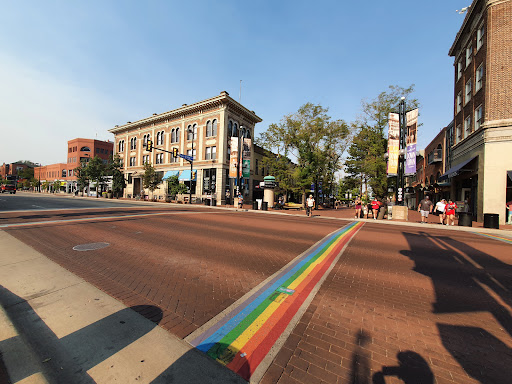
480,157
202,130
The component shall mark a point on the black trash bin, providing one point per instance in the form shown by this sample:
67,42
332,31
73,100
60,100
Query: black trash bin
465,219
491,220
264,205
255,205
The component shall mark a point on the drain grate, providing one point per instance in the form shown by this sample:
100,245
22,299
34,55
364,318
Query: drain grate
90,247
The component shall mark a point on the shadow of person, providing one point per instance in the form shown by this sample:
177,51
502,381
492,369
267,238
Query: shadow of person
69,358
411,369
360,367
221,364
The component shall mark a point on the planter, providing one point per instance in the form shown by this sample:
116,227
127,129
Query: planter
109,195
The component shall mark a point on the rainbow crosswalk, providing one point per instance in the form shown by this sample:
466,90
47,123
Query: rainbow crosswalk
500,238
242,338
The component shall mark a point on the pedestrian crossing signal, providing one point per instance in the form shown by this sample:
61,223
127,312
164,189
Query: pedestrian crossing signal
149,146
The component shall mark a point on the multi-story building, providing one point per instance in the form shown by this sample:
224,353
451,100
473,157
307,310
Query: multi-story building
12,169
482,135
202,130
79,151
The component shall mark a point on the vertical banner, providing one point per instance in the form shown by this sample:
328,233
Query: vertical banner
246,158
393,143
233,160
412,131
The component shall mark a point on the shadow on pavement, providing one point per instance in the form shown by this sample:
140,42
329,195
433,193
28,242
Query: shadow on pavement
195,367
360,367
465,280
411,369
67,359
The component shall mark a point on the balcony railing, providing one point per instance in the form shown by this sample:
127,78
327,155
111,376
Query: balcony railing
435,156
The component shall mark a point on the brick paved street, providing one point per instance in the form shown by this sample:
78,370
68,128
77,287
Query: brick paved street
402,301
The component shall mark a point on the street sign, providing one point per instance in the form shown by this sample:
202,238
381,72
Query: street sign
186,157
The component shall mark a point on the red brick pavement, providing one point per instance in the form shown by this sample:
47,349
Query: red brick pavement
415,303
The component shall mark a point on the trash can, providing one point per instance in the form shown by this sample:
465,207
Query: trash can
465,219
264,206
382,212
255,205
491,220
214,202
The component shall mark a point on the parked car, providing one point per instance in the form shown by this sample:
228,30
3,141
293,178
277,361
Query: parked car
8,188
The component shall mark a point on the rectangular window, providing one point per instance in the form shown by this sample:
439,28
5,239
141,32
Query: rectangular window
189,153
121,162
63,173
469,55
459,70
459,133
479,77
132,161
467,126
459,102
145,159
480,37
174,159
159,158
208,153
479,117
467,97
214,153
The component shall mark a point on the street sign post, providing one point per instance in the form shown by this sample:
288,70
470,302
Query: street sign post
186,157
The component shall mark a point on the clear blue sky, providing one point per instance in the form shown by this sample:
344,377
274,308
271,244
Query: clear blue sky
77,68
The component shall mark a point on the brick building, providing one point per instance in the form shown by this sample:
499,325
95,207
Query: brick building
78,150
480,163
12,169
202,130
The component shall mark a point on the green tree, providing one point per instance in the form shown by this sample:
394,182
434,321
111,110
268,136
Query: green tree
46,185
81,176
34,183
118,181
26,173
366,161
56,186
174,187
151,179
95,171
310,137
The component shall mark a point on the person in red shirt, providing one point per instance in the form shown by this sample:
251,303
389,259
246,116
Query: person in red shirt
375,208
450,212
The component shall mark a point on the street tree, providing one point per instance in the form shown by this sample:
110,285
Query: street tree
174,187
312,139
151,179
96,172
56,186
366,161
118,181
82,178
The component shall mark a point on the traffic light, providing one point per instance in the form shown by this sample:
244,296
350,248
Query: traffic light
149,146
175,152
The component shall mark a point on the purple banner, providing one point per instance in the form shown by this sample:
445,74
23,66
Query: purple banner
410,161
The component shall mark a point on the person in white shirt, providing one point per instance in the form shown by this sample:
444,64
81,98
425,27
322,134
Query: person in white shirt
440,208
310,203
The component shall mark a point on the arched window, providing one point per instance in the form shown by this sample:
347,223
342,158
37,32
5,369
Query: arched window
161,141
173,135
189,132
208,128
235,130
85,149
230,128
192,132
177,135
214,127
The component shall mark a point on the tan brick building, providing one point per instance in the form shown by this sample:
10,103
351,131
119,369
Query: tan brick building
480,157
202,130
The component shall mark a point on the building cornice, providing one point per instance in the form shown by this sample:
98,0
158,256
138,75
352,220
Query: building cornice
223,100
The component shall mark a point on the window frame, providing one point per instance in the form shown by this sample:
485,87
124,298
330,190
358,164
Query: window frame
479,77
469,55
480,33
468,91
467,126
479,116
459,102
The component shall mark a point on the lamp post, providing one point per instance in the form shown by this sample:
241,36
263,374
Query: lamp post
402,152
191,131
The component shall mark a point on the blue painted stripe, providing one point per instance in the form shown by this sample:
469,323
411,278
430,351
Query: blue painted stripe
206,344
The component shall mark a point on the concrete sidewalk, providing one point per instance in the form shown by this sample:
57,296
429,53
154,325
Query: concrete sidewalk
57,328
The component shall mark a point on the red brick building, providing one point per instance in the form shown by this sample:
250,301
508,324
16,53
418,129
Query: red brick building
11,169
78,150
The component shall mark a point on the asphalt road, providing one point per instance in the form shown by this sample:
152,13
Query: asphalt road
400,302
22,201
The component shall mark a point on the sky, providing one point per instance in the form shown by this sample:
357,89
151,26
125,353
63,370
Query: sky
73,69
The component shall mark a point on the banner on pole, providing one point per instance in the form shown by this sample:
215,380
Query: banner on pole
246,158
412,132
393,143
233,160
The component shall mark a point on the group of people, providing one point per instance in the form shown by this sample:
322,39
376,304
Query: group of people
373,207
444,209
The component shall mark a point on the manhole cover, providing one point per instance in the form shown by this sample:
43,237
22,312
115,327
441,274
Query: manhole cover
90,247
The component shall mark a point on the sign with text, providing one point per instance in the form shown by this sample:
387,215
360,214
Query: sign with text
233,160
393,143
412,132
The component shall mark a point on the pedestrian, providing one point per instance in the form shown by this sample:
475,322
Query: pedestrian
509,207
240,201
440,209
375,208
450,212
424,208
310,203
358,206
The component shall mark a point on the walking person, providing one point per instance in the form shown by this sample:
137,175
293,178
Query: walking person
310,203
424,208
358,206
375,208
440,209
450,212
509,207
240,201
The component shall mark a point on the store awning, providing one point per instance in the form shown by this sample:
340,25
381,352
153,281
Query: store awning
185,175
454,171
169,174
